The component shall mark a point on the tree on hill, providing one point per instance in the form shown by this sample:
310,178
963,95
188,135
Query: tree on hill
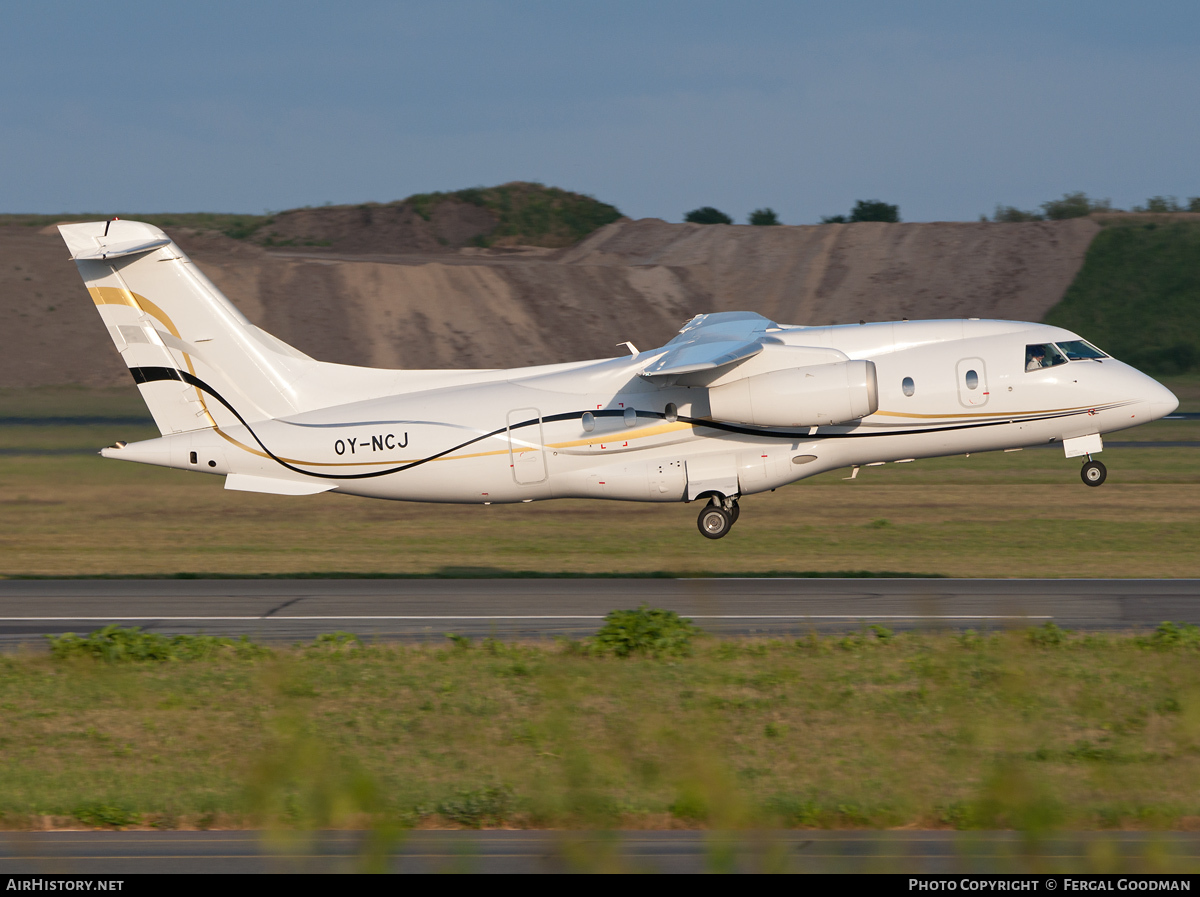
528,212
1169,204
764,217
874,210
1012,215
1079,205
1074,205
1160,204
707,215
866,210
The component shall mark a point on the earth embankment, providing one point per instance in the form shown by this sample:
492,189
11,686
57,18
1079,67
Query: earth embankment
476,307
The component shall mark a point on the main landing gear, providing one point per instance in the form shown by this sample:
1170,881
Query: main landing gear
718,517
1093,473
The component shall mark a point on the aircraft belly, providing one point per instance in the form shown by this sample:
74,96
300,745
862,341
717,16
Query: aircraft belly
455,481
675,472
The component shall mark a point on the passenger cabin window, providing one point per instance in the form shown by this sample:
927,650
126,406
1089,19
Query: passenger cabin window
671,414
1043,355
1080,350
908,386
589,421
972,379
630,417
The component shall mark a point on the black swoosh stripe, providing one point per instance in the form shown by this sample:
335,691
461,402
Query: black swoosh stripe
151,375
154,374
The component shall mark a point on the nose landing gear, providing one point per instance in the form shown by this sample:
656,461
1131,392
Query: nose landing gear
718,517
1093,473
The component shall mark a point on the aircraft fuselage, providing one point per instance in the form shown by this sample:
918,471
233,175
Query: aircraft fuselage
525,437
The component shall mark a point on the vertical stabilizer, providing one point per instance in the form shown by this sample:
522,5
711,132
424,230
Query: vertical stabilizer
183,341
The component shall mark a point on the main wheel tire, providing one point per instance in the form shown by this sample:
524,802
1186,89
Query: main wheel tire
734,513
714,522
1094,473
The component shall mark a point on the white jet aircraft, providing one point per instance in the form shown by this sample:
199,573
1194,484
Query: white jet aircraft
735,404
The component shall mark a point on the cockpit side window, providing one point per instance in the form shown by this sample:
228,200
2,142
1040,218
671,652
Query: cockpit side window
1042,355
1080,350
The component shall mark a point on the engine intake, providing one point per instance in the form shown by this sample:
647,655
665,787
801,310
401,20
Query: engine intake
814,396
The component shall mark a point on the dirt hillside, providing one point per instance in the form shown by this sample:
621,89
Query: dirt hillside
356,302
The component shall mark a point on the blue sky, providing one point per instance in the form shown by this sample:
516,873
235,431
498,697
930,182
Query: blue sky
943,108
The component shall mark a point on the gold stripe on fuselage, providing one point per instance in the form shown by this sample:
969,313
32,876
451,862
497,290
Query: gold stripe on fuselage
995,414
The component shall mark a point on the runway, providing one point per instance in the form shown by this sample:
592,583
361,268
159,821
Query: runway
426,609
493,852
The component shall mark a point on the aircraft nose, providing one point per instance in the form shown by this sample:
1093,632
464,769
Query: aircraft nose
1160,399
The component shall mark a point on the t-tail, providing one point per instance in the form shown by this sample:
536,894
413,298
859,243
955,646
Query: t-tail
194,356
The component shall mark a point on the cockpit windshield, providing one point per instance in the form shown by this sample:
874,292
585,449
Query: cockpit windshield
1043,355
1080,350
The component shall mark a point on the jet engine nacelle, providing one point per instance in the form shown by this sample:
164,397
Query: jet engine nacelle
814,396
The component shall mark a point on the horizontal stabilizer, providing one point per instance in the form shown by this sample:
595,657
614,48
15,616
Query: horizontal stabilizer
117,250
240,482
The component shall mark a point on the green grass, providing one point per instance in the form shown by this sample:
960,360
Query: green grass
73,401
871,730
77,437
1187,388
1159,431
1138,295
987,515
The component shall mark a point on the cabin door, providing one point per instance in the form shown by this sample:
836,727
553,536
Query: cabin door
972,383
526,455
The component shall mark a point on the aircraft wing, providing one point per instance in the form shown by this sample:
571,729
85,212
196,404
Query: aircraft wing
702,356
712,341
724,339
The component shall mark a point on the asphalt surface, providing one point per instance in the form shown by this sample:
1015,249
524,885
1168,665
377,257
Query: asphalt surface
121,853
426,609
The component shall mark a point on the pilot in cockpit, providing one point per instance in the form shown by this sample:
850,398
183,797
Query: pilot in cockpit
1035,358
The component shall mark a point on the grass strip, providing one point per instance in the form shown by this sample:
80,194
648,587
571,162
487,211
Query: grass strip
1009,514
1037,730
496,573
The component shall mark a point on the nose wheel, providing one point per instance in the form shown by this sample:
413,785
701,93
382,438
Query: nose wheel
1093,473
718,518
